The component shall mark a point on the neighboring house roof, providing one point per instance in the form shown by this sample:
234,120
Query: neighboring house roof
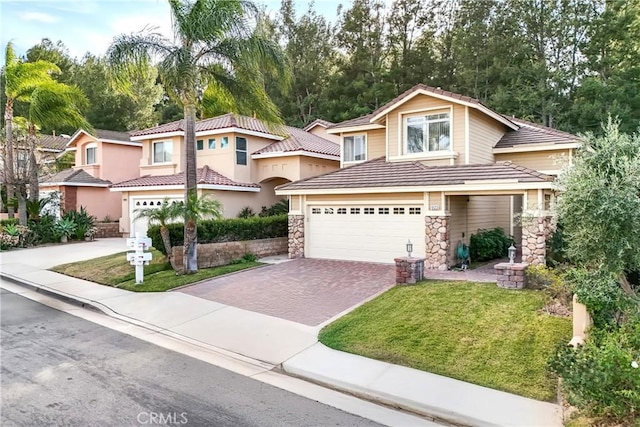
229,120
317,122
73,177
102,135
427,90
301,140
52,142
380,173
532,133
205,176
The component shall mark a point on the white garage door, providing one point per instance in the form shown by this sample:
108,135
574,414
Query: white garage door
141,225
367,232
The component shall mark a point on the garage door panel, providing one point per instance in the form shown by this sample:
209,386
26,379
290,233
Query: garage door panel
378,236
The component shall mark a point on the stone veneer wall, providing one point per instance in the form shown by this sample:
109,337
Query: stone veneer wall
107,229
437,242
409,270
216,254
296,236
511,276
535,232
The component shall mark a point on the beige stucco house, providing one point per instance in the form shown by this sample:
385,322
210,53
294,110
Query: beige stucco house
100,160
240,161
431,167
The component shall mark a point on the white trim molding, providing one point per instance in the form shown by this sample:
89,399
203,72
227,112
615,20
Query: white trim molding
355,128
72,184
293,153
232,129
181,187
525,148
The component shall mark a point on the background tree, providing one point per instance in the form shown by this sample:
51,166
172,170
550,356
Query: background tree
216,49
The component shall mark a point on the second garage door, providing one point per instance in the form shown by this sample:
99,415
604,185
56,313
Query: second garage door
367,232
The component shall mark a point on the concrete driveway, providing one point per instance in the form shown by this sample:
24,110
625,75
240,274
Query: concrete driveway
308,291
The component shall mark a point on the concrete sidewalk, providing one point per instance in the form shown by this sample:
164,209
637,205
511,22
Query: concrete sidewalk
271,342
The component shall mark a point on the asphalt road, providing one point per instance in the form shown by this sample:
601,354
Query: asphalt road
58,369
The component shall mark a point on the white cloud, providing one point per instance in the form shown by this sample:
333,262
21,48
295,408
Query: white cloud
39,17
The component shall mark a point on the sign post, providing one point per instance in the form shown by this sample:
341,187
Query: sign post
139,258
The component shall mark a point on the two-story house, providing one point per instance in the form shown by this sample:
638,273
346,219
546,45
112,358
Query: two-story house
431,167
100,160
240,161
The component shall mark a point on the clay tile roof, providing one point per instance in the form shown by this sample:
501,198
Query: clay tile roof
300,140
380,173
219,122
51,142
73,177
532,133
205,175
113,135
320,122
364,120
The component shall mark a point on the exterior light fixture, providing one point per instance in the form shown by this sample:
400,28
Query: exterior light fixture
409,248
512,254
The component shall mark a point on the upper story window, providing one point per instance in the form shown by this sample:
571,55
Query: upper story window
90,154
224,142
199,145
162,151
241,150
428,133
212,143
355,148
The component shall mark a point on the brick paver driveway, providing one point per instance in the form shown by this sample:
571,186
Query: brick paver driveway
308,291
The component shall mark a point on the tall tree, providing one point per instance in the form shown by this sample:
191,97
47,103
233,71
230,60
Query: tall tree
220,47
21,79
56,53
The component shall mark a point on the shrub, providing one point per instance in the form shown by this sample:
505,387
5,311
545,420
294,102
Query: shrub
602,377
486,245
246,212
8,221
43,230
551,282
224,230
278,208
83,221
556,250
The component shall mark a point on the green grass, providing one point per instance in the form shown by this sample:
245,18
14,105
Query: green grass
474,332
114,270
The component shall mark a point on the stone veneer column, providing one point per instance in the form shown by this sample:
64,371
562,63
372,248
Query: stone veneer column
535,231
436,242
296,236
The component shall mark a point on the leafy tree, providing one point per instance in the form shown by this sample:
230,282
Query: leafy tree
217,52
56,53
600,204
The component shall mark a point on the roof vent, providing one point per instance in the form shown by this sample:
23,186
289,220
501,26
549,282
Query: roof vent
64,135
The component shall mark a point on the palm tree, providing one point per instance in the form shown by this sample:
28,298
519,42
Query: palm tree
51,104
21,79
162,216
220,55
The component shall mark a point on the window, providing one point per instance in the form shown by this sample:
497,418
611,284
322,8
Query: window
369,211
383,211
90,154
241,151
398,211
342,211
212,143
162,151
328,211
355,211
22,159
199,145
315,211
355,148
414,211
428,133
224,142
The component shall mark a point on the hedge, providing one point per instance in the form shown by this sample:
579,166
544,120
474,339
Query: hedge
486,245
224,230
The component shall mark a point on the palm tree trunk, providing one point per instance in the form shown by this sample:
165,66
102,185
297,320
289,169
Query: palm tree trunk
9,175
190,254
166,240
34,188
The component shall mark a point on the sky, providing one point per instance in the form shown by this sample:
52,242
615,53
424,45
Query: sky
90,25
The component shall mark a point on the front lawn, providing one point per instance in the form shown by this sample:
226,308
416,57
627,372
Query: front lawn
474,332
114,270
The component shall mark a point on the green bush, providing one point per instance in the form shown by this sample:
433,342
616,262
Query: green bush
83,221
486,245
8,221
551,282
224,230
603,377
556,248
43,229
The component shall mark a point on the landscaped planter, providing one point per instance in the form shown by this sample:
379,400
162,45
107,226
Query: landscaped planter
216,254
107,229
